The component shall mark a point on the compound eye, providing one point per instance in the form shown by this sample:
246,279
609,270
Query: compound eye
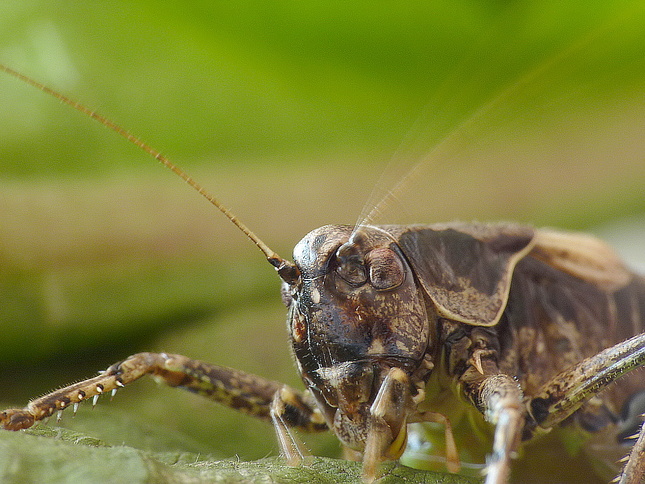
352,271
351,268
386,269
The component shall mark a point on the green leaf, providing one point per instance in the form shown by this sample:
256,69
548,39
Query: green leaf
57,455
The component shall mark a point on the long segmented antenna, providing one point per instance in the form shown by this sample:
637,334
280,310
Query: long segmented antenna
286,269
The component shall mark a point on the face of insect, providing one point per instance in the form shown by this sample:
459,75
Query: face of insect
359,332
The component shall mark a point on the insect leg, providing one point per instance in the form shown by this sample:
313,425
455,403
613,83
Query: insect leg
634,470
565,393
291,409
453,463
500,400
496,395
248,393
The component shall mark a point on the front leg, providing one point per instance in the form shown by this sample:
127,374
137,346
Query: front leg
245,392
498,397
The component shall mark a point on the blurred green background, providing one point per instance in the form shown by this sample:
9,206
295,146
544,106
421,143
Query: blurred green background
289,112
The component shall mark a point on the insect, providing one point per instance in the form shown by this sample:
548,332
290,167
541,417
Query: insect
520,322
366,361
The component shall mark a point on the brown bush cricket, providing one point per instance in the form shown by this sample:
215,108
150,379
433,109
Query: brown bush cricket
527,325
517,329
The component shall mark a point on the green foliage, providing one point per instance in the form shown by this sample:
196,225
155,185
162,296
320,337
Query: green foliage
217,81
58,456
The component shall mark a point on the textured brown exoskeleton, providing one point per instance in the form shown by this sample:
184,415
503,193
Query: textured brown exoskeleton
390,324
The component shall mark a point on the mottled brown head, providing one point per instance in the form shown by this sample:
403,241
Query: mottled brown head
355,313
